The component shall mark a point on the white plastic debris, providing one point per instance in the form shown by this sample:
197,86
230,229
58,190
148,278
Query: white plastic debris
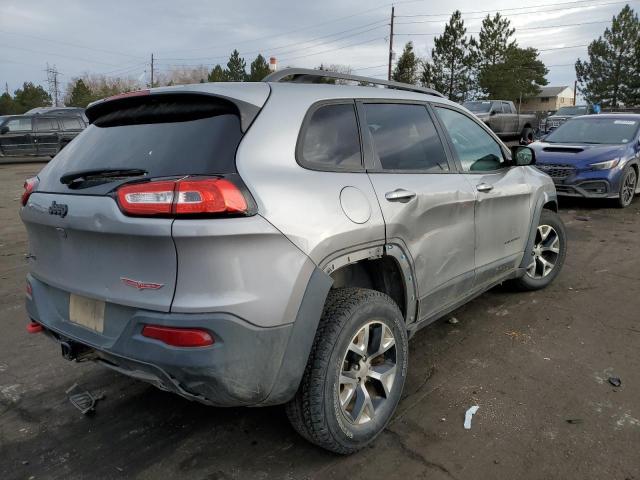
467,416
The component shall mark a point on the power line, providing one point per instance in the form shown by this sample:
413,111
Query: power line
75,45
519,29
381,23
580,3
306,28
59,55
334,49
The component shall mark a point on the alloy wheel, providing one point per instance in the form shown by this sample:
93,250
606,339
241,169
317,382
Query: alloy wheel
628,187
367,372
545,253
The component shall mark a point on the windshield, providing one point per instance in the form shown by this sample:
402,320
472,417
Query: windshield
478,107
594,129
572,111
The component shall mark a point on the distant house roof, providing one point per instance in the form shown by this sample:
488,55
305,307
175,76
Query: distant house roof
551,91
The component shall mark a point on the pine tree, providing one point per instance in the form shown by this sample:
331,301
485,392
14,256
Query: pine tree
406,70
236,68
7,105
494,40
518,74
217,74
259,69
450,69
31,96
612,74
80,95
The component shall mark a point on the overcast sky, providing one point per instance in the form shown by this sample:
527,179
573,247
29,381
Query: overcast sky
117,37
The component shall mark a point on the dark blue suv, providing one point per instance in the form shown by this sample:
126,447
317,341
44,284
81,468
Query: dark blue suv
593,156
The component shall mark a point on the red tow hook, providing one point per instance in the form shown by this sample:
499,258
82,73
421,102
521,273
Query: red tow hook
34,327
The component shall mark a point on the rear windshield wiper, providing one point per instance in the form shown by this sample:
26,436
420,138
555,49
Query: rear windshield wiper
101,173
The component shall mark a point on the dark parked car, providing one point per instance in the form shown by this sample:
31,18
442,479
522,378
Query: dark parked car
563,114
593,156
38,135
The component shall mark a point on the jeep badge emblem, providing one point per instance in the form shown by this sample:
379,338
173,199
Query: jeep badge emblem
59,209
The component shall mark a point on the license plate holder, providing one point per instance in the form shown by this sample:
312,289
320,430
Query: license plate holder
86,312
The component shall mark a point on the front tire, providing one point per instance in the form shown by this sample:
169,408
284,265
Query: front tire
627,187
355,373
547,257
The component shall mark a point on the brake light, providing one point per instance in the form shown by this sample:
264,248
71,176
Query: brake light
182,197
30,185
178,337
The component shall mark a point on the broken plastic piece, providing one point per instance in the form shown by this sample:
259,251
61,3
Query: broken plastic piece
615,381
467,416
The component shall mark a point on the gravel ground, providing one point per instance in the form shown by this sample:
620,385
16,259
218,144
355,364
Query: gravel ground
537,364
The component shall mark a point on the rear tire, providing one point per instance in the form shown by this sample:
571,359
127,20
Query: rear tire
628,187
548,255
350,390
527,136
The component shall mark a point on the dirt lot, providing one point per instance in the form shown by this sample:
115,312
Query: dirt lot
531,361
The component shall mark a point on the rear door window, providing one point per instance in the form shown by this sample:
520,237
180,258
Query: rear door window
165,137
71,123
330,139
46,124
405,138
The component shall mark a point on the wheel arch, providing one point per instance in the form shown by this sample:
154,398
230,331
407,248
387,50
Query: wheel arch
546,200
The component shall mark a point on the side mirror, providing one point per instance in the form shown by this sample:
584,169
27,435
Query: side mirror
492,112
4,130
522,156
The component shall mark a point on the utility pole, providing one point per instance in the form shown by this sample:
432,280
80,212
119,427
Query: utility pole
152,70
54,86
575,91
6,88
391,43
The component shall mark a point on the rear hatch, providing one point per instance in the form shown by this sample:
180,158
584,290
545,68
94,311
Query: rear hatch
80,238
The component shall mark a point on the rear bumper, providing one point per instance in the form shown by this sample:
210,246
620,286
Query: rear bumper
247,365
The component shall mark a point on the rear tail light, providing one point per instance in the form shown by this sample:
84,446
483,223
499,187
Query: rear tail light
182,197
178,337
30,185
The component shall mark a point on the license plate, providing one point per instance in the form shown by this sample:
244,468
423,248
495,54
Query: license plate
86,312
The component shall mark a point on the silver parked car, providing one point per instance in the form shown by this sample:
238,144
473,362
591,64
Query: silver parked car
279,242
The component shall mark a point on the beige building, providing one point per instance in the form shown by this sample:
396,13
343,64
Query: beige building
549,98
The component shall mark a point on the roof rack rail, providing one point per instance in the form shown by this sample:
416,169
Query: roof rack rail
307,75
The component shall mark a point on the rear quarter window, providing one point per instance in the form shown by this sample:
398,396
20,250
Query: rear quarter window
330,139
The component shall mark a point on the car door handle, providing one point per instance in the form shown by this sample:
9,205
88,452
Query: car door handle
484,187
399,195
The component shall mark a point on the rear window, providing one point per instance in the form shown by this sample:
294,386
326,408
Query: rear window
164,138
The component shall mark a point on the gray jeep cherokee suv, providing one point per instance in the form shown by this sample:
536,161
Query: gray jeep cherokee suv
279,242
